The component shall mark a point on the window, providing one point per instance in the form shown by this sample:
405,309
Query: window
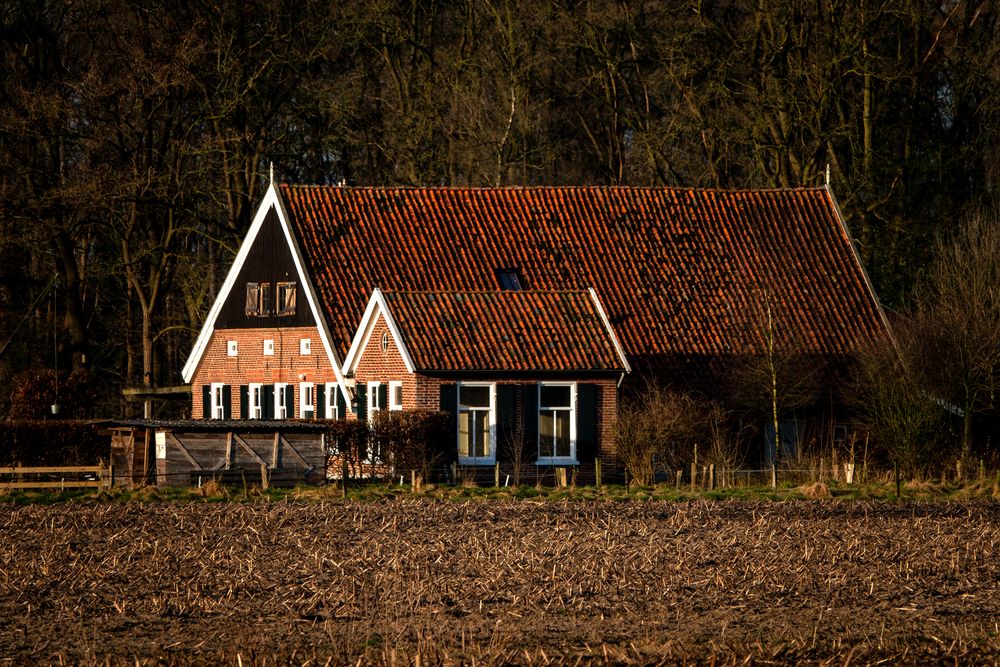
332,410
373,399
286,299
385,341
476,423
395,395
556,423
218,401
258,303
509,279
255,401
281,408
305,346
231,348
253,299
268,348
307,400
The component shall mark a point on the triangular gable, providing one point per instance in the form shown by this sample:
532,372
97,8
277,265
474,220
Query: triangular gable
377,306
271,201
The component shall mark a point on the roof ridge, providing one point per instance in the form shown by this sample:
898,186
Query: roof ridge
487,291
522,188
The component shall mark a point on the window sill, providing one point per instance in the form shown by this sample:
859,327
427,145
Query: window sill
476,461
560,461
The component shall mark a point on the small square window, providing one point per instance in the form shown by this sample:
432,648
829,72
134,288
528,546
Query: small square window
268,348
509,279
231,348
305,346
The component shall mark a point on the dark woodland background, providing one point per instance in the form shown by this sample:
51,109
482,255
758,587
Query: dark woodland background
135,138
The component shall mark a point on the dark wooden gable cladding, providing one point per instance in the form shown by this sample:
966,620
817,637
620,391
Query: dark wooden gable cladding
269,261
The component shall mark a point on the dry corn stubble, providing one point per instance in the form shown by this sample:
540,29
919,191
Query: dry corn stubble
499,582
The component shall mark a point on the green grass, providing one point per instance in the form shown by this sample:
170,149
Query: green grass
372,492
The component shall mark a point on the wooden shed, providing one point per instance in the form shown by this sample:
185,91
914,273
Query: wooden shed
191,452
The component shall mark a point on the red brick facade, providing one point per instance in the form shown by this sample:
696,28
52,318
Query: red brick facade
251,365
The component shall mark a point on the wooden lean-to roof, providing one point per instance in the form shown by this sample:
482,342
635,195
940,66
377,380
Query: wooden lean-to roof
503,331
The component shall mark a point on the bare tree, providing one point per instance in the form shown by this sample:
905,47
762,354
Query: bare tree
957,349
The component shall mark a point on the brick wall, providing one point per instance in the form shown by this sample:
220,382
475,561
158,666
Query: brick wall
250,365
385,364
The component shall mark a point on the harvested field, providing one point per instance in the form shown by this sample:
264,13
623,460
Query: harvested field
418,581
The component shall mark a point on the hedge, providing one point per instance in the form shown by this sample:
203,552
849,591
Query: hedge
52,442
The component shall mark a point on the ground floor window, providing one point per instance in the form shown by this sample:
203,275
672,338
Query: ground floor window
556,423
476,423
332,408
307,400
395,395
255,401
218,401
281,402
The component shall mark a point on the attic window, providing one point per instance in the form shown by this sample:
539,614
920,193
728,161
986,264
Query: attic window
509,279
286,299
258,303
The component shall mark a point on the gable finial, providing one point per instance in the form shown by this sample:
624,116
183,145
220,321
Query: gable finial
272,173
827,175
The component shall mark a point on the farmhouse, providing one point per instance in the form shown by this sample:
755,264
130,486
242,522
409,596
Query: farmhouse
533,307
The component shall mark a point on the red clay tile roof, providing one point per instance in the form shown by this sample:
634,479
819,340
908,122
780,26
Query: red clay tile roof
681,273
503,331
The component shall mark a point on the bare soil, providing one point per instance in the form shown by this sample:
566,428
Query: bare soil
421,581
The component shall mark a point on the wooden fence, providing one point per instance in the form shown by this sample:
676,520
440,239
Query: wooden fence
64,477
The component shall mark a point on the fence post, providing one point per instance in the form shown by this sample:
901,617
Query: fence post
454,472
597,472
264,482
496,474
343,475
774,476
895,472
694,475
680,474
711,477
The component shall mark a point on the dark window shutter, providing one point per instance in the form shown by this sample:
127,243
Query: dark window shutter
244,401
206,401
267,399
341,403
506,417
449,398
586,422
530,419
383,396
290,401
361,410
320,401
227,401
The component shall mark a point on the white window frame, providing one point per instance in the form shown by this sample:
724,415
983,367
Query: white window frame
305,346
307,390
330,409
281,411
478,460
373,405
268,347
393,386
218,407
572,409
255,403
232,348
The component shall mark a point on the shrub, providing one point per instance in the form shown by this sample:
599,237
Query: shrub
417,440
656,429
